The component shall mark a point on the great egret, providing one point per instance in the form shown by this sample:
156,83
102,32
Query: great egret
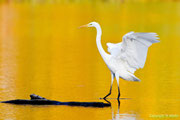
125,57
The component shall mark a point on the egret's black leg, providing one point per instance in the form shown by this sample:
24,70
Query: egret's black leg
112,79
119,94
108,93
117,78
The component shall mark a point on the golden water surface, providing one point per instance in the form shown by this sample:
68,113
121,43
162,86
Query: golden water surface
43,52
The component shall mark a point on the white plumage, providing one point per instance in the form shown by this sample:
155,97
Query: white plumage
133,49
127,56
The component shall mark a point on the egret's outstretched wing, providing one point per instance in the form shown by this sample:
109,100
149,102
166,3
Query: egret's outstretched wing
133,49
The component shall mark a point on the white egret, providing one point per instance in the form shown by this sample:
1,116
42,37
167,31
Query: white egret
125,57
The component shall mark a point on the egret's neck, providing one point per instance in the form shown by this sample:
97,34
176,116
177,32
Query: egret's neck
99,45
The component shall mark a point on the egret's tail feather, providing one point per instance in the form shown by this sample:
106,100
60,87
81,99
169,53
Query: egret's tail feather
129,77
135,79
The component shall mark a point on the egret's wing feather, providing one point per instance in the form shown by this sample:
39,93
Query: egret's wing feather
133,49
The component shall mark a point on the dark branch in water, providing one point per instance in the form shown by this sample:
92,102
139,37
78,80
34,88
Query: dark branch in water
38,100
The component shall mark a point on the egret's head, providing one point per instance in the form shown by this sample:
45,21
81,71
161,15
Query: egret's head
91,24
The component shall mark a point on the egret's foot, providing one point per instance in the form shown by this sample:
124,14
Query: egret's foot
118,97
103,98
107,95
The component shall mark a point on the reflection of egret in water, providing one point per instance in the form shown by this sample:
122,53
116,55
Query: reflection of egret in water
126,117
118,116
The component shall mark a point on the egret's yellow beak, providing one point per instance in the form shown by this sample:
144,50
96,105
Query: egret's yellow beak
84,26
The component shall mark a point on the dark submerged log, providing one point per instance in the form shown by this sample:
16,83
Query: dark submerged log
38,100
